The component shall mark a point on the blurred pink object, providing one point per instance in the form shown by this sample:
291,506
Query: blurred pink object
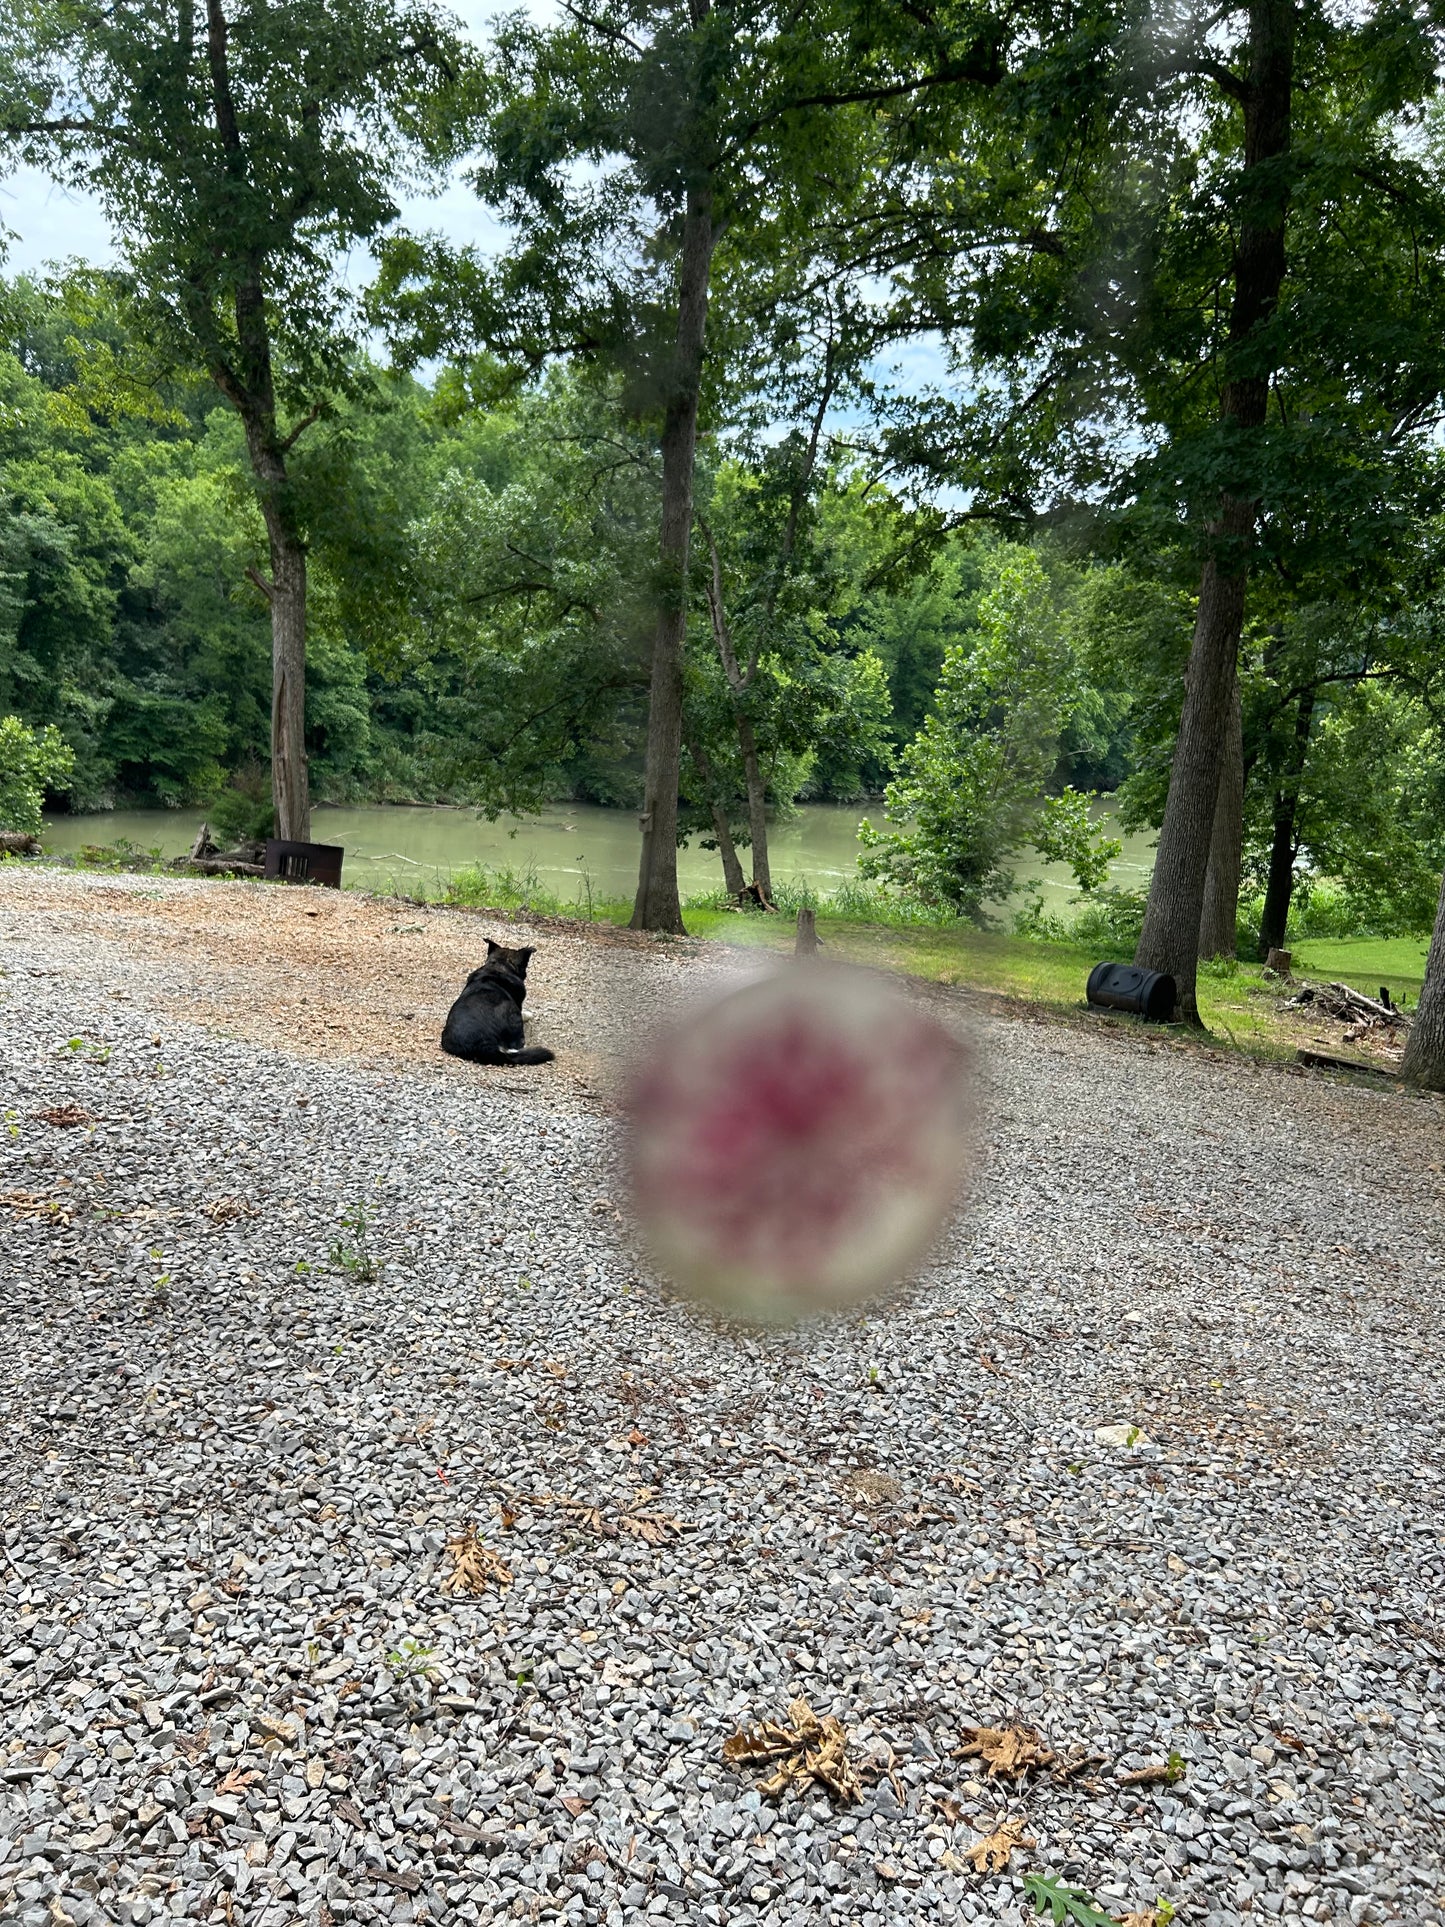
797,1146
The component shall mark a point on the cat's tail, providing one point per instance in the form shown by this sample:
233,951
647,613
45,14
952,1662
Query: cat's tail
533,1054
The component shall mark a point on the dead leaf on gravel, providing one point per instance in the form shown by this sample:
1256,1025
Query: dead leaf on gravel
808,1751
194,1745
65,1116
991,1854
656,1528
236,1781
871,1488
39,1207
585,1515
1009,1752
226,1210
474,1566
1148,1917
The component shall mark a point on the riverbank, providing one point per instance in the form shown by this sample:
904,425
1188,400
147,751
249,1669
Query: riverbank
576,855
1150,1461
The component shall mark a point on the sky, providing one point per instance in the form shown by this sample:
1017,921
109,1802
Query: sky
41,224
44,223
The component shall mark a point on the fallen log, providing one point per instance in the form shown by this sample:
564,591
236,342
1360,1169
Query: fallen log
1323,1060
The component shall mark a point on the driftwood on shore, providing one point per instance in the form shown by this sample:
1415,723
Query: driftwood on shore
206,860
218,866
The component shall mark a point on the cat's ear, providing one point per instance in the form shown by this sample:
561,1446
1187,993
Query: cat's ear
492,945
527,954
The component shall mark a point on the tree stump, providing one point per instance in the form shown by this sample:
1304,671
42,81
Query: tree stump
806,944
1278,961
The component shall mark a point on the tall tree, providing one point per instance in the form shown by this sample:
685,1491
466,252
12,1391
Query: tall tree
240,150
1264,94
1196,279
630,148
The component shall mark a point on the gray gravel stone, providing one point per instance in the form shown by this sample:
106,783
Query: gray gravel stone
229,1468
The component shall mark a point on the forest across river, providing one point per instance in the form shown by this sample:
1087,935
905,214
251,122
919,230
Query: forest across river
567,848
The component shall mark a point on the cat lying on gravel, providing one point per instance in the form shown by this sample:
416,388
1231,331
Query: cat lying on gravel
484,1025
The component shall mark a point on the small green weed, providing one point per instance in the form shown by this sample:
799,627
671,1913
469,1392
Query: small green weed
1064,1904
412,1660
354,1254
94,1053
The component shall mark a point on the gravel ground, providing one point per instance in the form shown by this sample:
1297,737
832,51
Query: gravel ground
232,1688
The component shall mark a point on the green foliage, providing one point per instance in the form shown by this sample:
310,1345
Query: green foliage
1063,1904
970,796
31,762
242,812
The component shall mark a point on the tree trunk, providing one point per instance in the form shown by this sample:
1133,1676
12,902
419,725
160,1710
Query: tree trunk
249,385
733,878
1218,924
1170,937
757,806
1424,1059
1284,846
657,906
290,787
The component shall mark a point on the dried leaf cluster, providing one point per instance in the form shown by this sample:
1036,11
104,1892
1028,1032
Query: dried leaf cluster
226,1210
66,1116
991,1854
807,1751
474,1566
1008,1752
655,1528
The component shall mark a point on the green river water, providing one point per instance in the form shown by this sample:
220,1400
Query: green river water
389,846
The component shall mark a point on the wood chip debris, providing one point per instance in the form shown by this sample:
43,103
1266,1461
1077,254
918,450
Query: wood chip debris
66,1116
475,1567
1008,1752
991,1854
808,1751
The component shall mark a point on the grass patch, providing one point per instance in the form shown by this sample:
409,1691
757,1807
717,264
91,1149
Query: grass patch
1364,963
518,891
1236,1002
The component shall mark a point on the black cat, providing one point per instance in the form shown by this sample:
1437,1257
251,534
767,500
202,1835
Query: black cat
484,1025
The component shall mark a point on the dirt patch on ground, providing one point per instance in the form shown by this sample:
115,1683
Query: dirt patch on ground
325,974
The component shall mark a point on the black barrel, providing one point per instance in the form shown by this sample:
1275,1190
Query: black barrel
1149,993
305,862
